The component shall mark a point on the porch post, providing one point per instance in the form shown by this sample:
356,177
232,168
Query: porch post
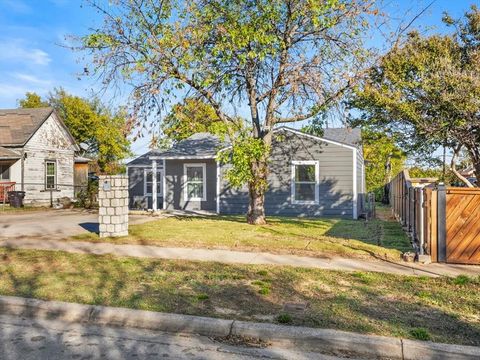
154,185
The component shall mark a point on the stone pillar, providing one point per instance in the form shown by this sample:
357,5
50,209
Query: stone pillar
113,205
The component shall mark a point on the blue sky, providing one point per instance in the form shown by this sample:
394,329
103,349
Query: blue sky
32,32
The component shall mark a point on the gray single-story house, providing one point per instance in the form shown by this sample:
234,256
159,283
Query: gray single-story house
309,176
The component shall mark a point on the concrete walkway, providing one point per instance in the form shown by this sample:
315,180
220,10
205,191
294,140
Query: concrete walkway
240,257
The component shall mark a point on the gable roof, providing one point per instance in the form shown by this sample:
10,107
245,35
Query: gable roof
198,146
205,145
17,126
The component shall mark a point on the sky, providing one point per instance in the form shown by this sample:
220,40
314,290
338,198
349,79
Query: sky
35,54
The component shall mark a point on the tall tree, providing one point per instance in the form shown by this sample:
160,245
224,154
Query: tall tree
104,132
32,100
190,117
384,159
285,61
428,90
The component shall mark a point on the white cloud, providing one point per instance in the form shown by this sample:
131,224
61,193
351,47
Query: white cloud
19,51
31,79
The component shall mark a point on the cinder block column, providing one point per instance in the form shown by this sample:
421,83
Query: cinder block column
113,205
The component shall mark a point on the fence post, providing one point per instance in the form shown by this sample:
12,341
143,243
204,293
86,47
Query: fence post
441,223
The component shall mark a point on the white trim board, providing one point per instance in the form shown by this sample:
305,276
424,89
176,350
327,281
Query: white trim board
355,190
318,138
204,181
192,157
317,182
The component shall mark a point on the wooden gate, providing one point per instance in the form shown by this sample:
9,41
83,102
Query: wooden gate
462,225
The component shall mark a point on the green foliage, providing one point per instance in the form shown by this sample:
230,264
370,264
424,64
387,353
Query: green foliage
245,153
202,297
384,159
427,89
90,122
190,117
87,196
420,334
32,100
285,318
462,280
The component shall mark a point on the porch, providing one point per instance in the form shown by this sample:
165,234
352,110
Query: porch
5,187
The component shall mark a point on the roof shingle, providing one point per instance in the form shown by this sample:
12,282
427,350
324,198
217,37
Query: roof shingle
18,125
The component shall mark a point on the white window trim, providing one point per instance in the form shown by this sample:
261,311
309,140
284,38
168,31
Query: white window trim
317,182
54,176
145,193
185,187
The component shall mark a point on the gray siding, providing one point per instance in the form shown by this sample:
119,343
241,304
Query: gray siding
335,186
174,192
136,183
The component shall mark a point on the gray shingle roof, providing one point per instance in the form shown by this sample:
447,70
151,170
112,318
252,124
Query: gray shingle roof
206,145
344,135
201,145
144,160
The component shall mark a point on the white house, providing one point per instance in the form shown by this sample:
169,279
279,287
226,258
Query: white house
37,155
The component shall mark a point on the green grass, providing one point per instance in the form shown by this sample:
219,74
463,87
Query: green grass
312,237
438,309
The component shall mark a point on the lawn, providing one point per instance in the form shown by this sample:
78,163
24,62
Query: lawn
313,237
441,309
7,209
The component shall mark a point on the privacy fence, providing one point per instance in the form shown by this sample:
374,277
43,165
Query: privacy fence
443,222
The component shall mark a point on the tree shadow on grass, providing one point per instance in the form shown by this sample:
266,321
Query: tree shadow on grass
361,302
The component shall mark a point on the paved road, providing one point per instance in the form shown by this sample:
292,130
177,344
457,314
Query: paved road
53,224
46,340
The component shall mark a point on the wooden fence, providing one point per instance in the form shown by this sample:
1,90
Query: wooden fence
443,222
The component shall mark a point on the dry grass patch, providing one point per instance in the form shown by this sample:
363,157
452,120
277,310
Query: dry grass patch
445,310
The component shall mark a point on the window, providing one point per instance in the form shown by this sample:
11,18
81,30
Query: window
148,182
50,175
4,172
195,184
305,182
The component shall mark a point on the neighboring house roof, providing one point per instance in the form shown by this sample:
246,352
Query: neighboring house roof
7,154
344,135
17,126
206,145
81,160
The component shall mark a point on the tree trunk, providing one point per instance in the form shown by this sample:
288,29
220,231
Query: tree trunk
256,192
256,208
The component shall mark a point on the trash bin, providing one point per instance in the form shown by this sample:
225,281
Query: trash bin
15,198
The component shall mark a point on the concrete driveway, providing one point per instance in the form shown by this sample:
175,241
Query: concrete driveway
54,224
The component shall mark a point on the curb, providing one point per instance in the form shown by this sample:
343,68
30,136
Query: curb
324,341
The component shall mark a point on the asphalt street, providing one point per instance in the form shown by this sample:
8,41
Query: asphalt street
27,339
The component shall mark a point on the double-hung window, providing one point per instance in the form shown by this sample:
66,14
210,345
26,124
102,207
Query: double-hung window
50,175
195,182
305,179
148,182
